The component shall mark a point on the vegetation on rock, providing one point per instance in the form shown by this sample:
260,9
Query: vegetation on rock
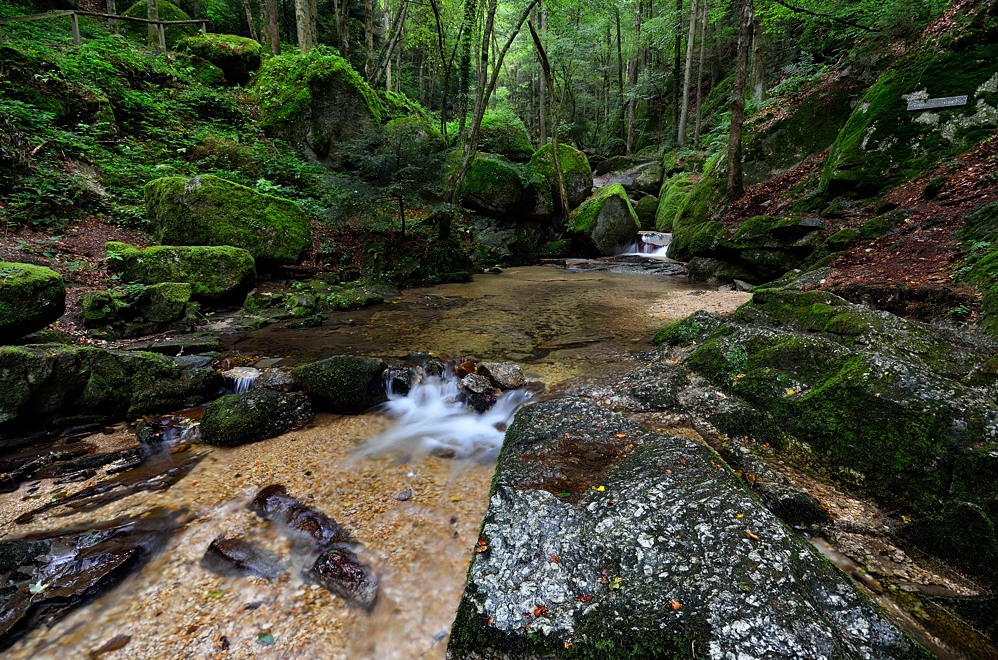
215,274
31,297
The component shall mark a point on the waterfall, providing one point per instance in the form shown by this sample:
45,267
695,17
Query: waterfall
648,244
242,378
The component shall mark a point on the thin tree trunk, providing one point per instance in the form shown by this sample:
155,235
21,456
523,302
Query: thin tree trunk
368,38
546,68
470,11
542,84
736,184
249,21
758,59
389,51
704,11
620,76
677,63
684,110
271,33
152,13
632,82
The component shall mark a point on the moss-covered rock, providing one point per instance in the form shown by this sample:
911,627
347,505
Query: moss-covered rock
167,12
343,383
646,208
902,412
237,57
575,172
134,310
316,99
605,221
671,195
498,187
883,143
504,133
980,267
207,210
31,297
259,414
44,383
215,274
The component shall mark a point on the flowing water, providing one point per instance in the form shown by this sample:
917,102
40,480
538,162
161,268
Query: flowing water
414,513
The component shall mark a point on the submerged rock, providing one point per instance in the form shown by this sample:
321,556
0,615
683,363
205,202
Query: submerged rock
661,553
339,570
343,383
302,521
235,556
259,414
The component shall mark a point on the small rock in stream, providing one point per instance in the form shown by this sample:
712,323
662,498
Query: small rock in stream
504,375
303,522
236,557
339,570
479,392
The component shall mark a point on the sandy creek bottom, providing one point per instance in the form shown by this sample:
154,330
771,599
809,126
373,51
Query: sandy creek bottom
563,326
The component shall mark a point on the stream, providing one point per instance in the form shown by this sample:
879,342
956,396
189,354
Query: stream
414,515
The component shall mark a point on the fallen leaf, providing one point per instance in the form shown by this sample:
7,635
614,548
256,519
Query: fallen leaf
266,639
214,594
621,435
752,536
675,604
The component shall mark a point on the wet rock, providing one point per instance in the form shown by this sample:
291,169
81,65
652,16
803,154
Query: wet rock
504,375
31,297
238,557
47,577
237,419
302,522
343,383
275,379
665,555
399,379
339,570
479,392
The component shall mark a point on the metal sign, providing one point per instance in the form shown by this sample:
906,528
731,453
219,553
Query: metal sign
936,104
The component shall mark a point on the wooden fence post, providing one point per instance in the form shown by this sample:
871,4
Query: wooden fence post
76,29
204,27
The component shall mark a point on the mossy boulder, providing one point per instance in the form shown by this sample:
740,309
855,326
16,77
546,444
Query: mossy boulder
498,187
575,171
237,57
671,196
610,541
259,414
316,99
505,134
883,143
343,383
42,384
646,208
167,12
31,297
216,274
897,410
134,310
605,221
207,210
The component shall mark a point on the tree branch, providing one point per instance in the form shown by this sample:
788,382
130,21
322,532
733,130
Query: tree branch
836,19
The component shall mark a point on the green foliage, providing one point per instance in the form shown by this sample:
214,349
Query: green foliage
167,12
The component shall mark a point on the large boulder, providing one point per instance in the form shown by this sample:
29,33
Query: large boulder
207,210
343,383
236,56
215,273
498,187
604,540
316,99
575,171
49,383
31,297
259,414
168,11
135,309
505,134
883,143
897,410
605,221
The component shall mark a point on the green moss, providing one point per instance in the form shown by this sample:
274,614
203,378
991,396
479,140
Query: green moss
214,273
980,266
672,196
495,185
237,419
688,330
342,383
694,240
883,144
167,12
575,172
236,56
31,297
207,210
286,83
585,217
504,133
646,209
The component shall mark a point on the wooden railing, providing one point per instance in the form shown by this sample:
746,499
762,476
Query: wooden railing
75,16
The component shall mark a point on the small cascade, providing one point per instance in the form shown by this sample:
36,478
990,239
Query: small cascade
434,419
241,378
648,244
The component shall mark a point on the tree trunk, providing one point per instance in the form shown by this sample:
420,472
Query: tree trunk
546,68
758,60
271,34
464,71
251,24
541,91
368,38
620,76
677,63
684,110
700,62
632,82
305,20
736,185
152,13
